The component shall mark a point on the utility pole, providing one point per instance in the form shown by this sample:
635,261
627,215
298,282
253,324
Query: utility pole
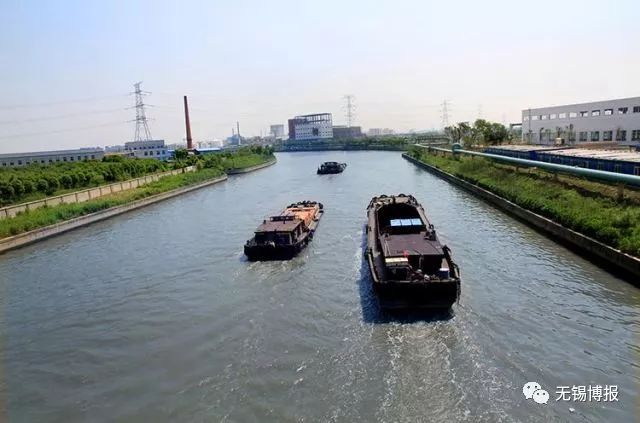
142,128
350,108
445,114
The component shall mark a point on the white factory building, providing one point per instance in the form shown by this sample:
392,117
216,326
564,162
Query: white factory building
151,149
311,127
50,157
599,121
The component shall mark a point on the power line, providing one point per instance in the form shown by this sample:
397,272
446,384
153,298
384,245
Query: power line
445,114
39,119
55,103
350,108
82,128
141,117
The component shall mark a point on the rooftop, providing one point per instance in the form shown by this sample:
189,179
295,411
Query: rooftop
53,152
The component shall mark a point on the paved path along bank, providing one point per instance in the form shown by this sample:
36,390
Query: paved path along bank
606,255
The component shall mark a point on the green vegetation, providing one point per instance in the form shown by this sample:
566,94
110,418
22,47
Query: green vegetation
209,167
389,142
586,207
481,132
44,216
29,183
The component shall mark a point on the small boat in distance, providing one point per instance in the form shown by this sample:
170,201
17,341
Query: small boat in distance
285,235
327,168
409,266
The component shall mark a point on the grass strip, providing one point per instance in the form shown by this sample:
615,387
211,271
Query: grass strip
587,208
45,216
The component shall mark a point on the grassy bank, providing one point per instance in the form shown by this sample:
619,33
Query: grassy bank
208,168
37,181
586,207
45,216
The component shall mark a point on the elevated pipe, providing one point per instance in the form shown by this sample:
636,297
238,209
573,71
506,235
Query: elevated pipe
601,175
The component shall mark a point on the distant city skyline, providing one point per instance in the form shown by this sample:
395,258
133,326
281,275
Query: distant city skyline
68,68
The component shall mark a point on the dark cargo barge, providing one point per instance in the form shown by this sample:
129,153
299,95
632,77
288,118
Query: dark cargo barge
327,168
409,266
285,235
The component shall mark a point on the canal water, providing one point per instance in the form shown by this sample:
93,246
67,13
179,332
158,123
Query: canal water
156,316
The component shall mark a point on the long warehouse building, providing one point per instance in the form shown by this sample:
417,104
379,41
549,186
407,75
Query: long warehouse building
50,157
599,121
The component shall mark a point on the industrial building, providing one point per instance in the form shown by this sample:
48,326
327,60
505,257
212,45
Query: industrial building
618,161
151,149
311,127
600,121
376,132
277,131
49,157
346,132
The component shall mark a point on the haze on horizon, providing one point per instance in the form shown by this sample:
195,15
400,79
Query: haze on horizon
67,69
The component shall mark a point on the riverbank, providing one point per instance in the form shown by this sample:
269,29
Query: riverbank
386,143
568,215
34,225
238,171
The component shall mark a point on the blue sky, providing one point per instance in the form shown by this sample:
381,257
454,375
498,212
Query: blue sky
66,67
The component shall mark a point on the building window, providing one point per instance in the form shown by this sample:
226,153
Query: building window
635,135
636,170
595,135
600,166
636,109
543,117
41,161
607,135
79,158
535,117
623,110
595,113
584,114
617,168
93,156
562,115
64,158
50,161
71,158
526,118
583,136
19,162
608,112
145,153
621,135
572,136
553,116
11,163
573,114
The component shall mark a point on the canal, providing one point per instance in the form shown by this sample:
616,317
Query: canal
156,316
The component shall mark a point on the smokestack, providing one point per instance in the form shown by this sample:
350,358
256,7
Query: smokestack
187,124
238,125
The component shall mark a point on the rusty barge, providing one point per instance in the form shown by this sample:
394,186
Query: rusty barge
409,267
283,236
328,168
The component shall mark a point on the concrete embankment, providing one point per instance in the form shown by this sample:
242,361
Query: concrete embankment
252,168
30,237
20,240
604,255
88,194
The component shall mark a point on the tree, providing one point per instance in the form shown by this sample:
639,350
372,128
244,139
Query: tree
181,154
